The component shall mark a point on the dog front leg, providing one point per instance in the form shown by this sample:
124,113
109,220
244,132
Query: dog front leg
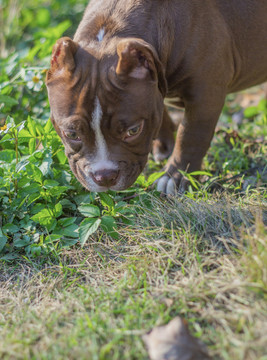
193,139
164,143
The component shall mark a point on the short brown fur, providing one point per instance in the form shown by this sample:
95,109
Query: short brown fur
193,51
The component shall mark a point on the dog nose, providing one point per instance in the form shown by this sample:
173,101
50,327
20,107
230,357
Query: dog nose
105,177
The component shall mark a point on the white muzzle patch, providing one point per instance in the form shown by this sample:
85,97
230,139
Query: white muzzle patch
100,159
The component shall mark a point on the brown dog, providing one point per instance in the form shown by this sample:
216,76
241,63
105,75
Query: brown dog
107,86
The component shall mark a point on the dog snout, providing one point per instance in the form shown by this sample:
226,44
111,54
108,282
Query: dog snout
105,177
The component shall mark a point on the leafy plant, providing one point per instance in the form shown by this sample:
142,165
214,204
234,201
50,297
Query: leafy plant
42,206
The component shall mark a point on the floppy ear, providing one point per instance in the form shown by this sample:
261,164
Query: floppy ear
62,58
139,60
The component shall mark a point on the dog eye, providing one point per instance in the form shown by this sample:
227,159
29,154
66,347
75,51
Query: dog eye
133,132
72,135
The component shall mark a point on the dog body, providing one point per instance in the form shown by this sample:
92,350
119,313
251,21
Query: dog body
107,87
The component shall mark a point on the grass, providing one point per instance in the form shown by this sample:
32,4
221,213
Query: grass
204,260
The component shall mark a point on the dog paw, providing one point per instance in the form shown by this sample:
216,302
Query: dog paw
172,184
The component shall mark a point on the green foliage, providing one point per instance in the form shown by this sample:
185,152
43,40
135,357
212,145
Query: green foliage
42,206
39,204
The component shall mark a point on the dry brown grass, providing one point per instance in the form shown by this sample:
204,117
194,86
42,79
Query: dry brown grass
204,260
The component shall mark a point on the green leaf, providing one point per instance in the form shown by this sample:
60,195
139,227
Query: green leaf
89,210
263,105
67,204
31,126
193,182
141,180
57,210
22,202
10,123
30,189
34,172
62,158
58,190
32,198
155,176
7,156
9,257
58,30
24,241
251,111
70,231
198,173
48,127
3,240
43,17
22,163
10,228
52,237
66,221
24,136
7,100
106,200
122,207
44,217
109,226
39,129
37,208
85,198
67,242
50,183
20,126
32,145
46,164
87,228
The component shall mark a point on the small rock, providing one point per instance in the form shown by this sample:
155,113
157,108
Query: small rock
174,342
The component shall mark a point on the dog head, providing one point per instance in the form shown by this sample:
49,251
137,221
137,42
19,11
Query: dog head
107,109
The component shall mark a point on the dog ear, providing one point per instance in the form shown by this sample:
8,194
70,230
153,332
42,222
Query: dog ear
62,60
139,60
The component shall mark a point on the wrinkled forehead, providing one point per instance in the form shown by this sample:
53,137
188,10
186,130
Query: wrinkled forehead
95,78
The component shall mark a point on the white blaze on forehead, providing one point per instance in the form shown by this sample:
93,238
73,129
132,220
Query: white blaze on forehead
100,159
101,34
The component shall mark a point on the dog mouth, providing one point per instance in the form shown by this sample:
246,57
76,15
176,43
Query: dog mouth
116,179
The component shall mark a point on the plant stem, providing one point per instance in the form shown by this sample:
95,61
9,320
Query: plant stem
17,158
